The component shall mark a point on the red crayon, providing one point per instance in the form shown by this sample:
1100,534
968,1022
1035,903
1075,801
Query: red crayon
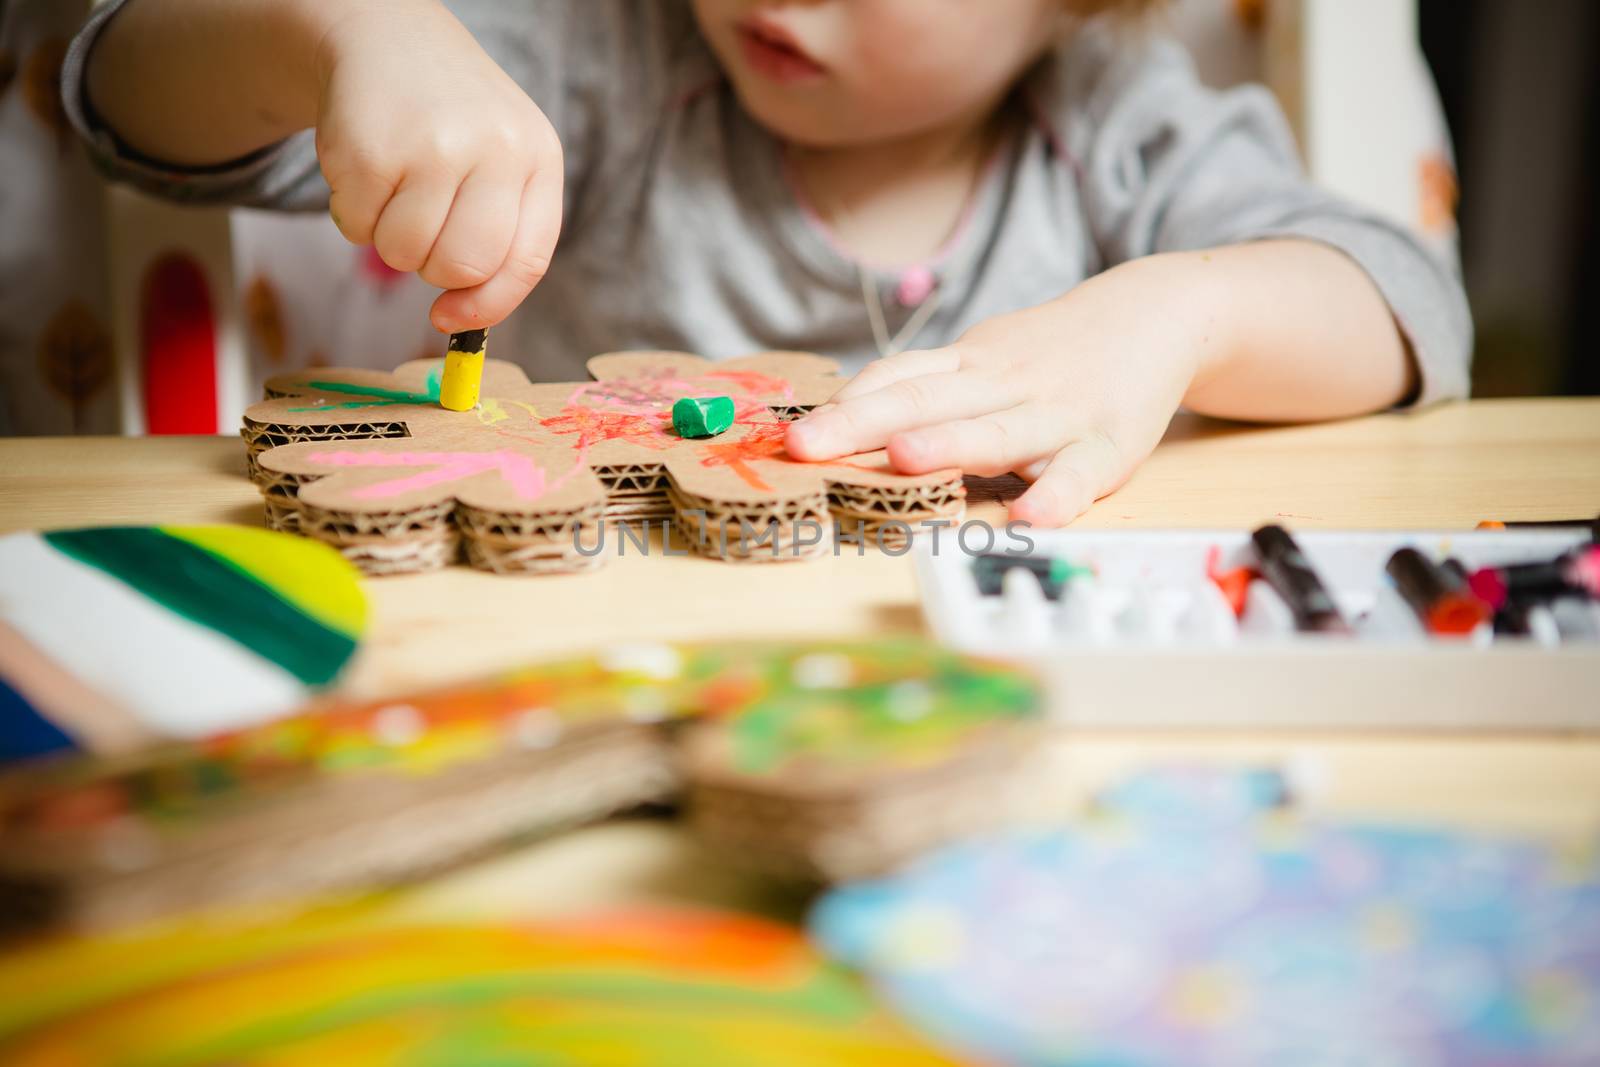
1438,595
1235,584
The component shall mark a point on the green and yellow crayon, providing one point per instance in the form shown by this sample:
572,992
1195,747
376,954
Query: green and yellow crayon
463,370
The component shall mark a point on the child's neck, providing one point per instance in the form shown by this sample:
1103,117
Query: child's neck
897,203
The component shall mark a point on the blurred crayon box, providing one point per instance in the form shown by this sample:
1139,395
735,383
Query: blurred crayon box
1135,630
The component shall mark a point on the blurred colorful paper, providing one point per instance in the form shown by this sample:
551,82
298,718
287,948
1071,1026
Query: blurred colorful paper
354,987
1196,920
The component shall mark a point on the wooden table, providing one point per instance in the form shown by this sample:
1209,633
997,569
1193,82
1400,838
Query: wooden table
1446,468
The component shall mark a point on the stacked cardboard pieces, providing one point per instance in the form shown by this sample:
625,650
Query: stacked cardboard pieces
370,463
821,762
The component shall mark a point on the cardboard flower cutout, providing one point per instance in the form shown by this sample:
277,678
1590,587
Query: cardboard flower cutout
371,463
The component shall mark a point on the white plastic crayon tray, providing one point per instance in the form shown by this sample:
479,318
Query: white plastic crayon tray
1147,640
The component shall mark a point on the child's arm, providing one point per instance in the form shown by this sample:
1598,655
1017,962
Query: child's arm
432,153
1074,394
1235,287
1275,297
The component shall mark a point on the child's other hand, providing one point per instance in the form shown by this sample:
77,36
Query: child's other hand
1072,395
437,158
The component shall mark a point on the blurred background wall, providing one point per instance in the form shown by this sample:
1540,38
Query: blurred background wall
1520,80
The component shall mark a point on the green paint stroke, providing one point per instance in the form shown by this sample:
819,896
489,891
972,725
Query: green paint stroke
376,397
827,998
212,592
912,712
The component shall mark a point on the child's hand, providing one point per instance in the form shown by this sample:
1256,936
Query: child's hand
1072,395
437,158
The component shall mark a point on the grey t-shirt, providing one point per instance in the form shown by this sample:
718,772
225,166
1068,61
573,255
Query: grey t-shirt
682,230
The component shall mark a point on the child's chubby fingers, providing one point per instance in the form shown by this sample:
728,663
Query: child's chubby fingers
532,246
356,202
414,217
898,367
867,422
478,231
988,446
1070,483
429,148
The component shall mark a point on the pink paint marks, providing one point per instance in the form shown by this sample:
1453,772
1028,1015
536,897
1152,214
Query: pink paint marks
754,384
580,458
652,393
525,478
641,394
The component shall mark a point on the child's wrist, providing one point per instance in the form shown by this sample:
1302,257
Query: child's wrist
340,27
1177,294
292,32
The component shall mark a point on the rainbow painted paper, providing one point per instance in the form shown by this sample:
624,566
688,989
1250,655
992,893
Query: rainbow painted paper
171,631
360,990
1189,925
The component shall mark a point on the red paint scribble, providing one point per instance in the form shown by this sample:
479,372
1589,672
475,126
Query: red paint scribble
764,441
593,426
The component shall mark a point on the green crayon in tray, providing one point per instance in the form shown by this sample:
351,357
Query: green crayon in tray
1054,574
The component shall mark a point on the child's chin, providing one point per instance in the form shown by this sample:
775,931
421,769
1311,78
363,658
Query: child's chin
811,123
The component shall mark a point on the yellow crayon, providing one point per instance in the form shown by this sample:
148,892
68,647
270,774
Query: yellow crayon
463,370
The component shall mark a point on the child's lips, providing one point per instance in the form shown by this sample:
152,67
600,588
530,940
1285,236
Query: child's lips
774,53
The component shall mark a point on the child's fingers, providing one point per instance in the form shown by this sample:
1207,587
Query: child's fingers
411,221
867,422
356,203
988,446
359,186
897,368
478,232
538,229
1080,474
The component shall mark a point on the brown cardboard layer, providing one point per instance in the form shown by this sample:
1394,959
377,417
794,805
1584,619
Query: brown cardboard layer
390,829
364,795
867,831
